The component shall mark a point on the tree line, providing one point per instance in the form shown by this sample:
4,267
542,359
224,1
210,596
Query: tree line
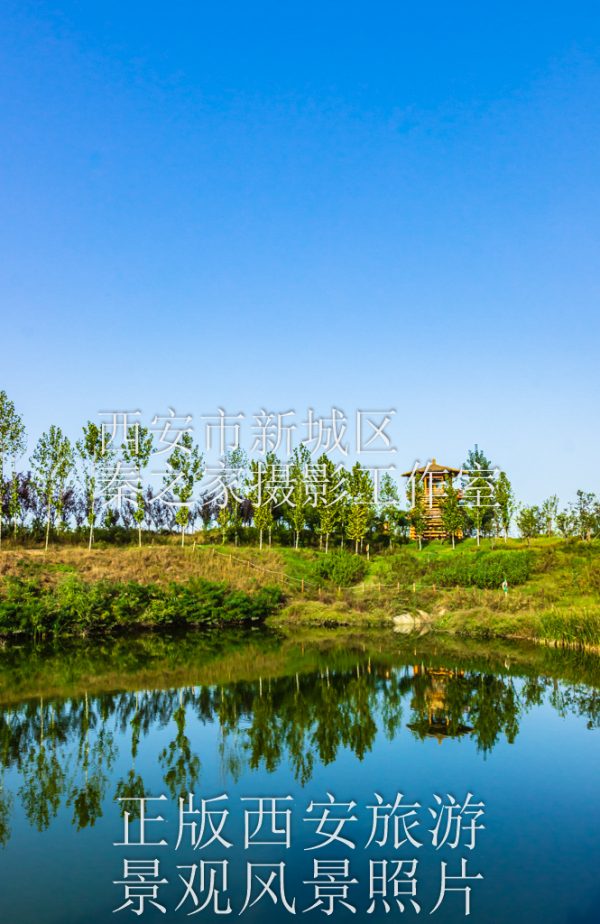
92,485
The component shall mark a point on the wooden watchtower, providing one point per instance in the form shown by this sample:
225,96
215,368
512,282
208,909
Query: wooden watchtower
434,479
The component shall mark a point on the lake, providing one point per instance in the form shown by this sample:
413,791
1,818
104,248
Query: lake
353,774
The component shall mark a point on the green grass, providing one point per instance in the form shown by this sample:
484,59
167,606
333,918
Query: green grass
553,588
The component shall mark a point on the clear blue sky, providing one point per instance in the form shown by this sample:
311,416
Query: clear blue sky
287,205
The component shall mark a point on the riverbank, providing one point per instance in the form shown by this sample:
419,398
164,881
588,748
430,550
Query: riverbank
551,590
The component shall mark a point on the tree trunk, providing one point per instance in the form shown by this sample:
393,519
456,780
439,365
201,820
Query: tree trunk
92,502
478,536
260,539
182,536
269,537
356,547
48,528
453,541
139,535
326,543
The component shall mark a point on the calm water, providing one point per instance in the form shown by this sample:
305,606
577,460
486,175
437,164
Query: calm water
249,716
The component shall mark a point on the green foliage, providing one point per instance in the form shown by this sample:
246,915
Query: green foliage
505,499
359,487
452,513
262,492
299,495
137,450
186,464
74,606
94,458
530,522
341,568
417,513
483,569
478,491
330,500
12,444
52,463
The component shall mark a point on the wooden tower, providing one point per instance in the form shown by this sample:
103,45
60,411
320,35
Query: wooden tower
434,478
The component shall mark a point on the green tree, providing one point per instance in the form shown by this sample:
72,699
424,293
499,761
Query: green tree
586,511
529,522
417,514
235,466
389,506
549,513
187,465
330,499
137,450
453,518
359,487
478,491
93,455
52,462
12,445
299,494
566,524
505,499
261,494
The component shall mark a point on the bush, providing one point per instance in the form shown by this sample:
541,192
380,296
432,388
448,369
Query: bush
75,606
483,569
342,568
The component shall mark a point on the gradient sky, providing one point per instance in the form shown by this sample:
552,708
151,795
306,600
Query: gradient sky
309,204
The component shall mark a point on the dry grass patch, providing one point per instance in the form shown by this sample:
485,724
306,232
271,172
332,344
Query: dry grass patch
243,569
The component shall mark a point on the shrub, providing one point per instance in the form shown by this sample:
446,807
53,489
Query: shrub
483,569
342,568
75,606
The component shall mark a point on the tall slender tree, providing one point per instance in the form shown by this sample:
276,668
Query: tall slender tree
52,462
505,500
453,518
299,494
261,492
417,515
187,465
329,498
137,450
549,514
12,445
478,490
93,455
359,486
389,506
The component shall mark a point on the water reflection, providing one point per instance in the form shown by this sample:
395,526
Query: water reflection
315,699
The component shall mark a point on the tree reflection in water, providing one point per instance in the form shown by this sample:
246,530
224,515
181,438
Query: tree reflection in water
63,748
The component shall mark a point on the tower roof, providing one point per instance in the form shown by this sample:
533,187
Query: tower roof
433,467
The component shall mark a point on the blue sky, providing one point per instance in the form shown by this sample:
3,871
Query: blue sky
381,205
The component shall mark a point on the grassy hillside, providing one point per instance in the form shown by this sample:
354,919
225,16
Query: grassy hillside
553,585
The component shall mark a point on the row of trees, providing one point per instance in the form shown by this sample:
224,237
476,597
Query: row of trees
95,483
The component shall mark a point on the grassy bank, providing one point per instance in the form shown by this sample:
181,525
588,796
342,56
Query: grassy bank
553,589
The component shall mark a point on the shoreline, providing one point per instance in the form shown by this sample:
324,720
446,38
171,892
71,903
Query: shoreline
73,592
